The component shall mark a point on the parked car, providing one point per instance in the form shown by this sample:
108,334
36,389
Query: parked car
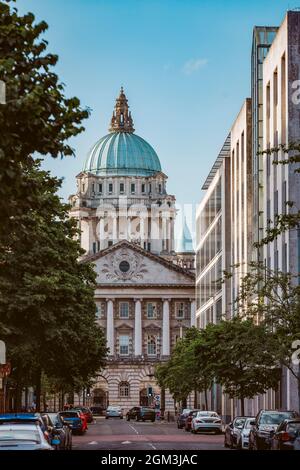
188,421
265,422
114,412
182,418
97,410
231,431
25,418
141,413
242,434
86,411
206,421
56,427
75,420
20,436
285,435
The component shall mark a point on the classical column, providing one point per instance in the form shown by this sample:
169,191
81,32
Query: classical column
138,328
166,328
101,233
193,313
164,233
114,229
142,230
110,327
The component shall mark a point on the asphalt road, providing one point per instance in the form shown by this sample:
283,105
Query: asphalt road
118,434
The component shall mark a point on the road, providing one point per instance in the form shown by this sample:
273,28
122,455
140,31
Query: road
119,434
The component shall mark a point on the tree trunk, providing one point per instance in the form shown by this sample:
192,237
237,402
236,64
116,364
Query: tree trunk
242,406
162,402
206,399
18,397
38,389
184,403
195,399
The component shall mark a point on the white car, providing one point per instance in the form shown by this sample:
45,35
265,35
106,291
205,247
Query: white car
206,421
22,437
242,434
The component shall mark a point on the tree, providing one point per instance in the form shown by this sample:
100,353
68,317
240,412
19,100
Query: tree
47,308
37,117
242,358
186,370
273,298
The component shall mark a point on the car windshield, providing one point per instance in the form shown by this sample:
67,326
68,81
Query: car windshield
19,435
239,422
54,418
144,408
275,418
69,414
186,411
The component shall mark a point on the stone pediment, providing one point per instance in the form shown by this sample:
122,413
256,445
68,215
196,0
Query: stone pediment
126,264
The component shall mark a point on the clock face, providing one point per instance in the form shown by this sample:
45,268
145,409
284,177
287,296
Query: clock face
124,266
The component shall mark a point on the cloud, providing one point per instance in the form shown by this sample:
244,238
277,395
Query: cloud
192,65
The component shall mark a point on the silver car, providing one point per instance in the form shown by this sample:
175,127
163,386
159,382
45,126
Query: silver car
23,437
114,412
242,434
206,421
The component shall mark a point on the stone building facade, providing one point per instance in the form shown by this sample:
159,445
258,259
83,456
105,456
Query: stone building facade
145,291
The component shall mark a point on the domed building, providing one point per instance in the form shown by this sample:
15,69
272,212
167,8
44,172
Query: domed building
145,290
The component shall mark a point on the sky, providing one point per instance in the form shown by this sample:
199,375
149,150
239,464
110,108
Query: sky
184,65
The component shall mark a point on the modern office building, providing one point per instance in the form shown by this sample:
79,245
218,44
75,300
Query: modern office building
281,125
241,196
262,39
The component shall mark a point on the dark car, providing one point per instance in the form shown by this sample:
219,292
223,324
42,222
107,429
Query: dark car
265,423
285,435
73,419
87,413
188,421
59,429
97,410
231,434
182,417
141,413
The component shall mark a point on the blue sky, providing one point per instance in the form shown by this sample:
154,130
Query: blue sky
184,64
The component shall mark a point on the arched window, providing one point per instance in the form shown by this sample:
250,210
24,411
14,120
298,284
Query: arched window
124,389
151,346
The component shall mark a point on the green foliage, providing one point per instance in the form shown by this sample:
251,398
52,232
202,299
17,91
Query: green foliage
37,117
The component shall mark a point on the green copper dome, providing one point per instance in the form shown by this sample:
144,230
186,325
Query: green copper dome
121,152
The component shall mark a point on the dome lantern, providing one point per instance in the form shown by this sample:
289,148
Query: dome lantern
121,120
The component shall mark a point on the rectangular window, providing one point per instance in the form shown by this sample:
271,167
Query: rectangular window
98,246
151,346
179,310
110,188
159,188
83,186
121,188
124,345
150,187
100,187
151,310
94,247
98,311
143,187
110,243
132,188
124,310
93,187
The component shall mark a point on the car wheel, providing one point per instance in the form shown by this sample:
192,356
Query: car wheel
106,417
152,420
127,418
121,417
